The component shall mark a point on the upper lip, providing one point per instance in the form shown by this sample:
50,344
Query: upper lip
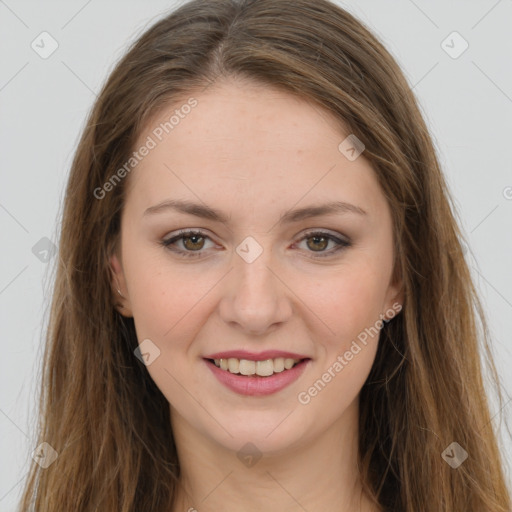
255,356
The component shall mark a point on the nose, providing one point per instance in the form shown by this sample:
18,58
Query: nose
256,298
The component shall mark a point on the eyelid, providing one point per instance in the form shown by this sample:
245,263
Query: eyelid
184,233
341,240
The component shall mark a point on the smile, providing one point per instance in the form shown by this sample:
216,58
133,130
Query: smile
257,378
263,368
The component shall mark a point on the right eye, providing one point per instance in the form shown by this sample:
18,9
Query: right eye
189,238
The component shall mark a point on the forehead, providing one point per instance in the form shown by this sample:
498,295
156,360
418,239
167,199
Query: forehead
249,145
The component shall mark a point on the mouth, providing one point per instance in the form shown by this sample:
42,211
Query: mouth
257,378
251,368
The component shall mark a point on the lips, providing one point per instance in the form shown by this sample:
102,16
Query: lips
256,356
255,385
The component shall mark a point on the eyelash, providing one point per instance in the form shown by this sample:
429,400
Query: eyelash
342,244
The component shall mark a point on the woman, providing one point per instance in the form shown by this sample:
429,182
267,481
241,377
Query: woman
262,301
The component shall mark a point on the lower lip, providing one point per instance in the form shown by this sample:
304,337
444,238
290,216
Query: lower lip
253,385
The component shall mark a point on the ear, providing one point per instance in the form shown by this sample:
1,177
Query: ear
395,294
119,288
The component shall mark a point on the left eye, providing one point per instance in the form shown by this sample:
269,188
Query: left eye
183,236
193,241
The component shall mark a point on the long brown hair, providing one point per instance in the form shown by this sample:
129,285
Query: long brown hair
99,408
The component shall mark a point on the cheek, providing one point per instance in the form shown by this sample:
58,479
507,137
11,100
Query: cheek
349,306
164,299
346,301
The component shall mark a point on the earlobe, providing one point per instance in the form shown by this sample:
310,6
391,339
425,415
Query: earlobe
398,303
118,285
393,308
396,294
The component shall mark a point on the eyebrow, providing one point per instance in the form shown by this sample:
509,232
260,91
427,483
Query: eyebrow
296,215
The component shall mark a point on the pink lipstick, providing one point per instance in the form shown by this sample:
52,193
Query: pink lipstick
257,385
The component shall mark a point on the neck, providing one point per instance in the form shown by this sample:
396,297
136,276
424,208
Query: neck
318,474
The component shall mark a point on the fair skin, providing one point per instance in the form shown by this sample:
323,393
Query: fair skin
253,153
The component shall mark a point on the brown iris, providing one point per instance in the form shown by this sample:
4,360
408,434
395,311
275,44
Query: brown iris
319,237
194,244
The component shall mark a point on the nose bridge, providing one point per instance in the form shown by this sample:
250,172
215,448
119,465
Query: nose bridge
253,262
257,298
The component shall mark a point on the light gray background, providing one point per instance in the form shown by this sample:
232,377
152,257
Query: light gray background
467,102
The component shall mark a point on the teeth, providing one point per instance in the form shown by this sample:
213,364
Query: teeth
262,368
233,365
279,364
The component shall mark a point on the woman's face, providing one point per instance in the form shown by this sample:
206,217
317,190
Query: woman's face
258,278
